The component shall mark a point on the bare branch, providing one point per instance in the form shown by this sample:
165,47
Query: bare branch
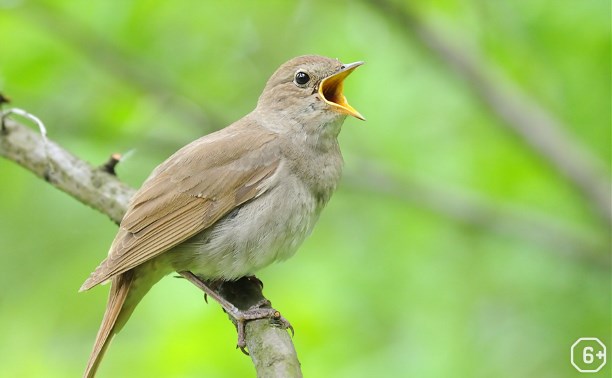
47,160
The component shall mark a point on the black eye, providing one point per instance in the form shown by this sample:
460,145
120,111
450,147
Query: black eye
301,78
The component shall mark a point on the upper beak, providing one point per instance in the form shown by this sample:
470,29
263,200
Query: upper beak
330,90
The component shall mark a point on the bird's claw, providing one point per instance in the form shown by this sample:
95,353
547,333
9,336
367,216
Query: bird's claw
256,312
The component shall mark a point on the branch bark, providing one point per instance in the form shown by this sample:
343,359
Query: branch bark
270,347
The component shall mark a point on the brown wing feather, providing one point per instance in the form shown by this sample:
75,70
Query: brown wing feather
187,194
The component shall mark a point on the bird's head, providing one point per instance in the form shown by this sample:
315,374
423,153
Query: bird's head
309,88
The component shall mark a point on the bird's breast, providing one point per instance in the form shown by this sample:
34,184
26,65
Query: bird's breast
266,229
273,225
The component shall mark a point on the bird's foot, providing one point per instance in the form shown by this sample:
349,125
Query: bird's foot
260,310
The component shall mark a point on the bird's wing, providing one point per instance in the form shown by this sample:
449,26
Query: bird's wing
188,193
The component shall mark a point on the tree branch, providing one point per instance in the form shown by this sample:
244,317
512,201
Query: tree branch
270,347
91,186
469,209
541,130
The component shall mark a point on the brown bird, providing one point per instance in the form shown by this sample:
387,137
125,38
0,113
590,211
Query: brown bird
234,201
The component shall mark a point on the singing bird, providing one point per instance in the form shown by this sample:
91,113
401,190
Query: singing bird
234,201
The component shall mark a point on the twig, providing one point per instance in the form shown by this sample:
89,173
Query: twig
271,348
111,163
541,130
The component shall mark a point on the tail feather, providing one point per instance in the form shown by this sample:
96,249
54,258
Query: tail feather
120,287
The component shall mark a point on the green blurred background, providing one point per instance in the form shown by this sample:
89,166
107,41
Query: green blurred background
453,248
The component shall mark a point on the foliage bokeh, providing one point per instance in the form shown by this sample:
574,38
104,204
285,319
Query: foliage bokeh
398,278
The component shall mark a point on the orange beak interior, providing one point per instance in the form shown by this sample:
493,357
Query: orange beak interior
331,87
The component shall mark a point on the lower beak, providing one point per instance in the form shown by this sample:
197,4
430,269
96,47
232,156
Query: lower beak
331,87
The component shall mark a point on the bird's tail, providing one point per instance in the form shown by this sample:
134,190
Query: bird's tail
120,287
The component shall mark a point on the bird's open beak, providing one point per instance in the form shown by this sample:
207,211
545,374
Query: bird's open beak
330,90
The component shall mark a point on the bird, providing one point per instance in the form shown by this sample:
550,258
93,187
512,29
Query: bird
234,201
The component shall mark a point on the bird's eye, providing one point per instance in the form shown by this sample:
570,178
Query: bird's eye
301,78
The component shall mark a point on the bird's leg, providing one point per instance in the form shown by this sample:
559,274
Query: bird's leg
259,310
